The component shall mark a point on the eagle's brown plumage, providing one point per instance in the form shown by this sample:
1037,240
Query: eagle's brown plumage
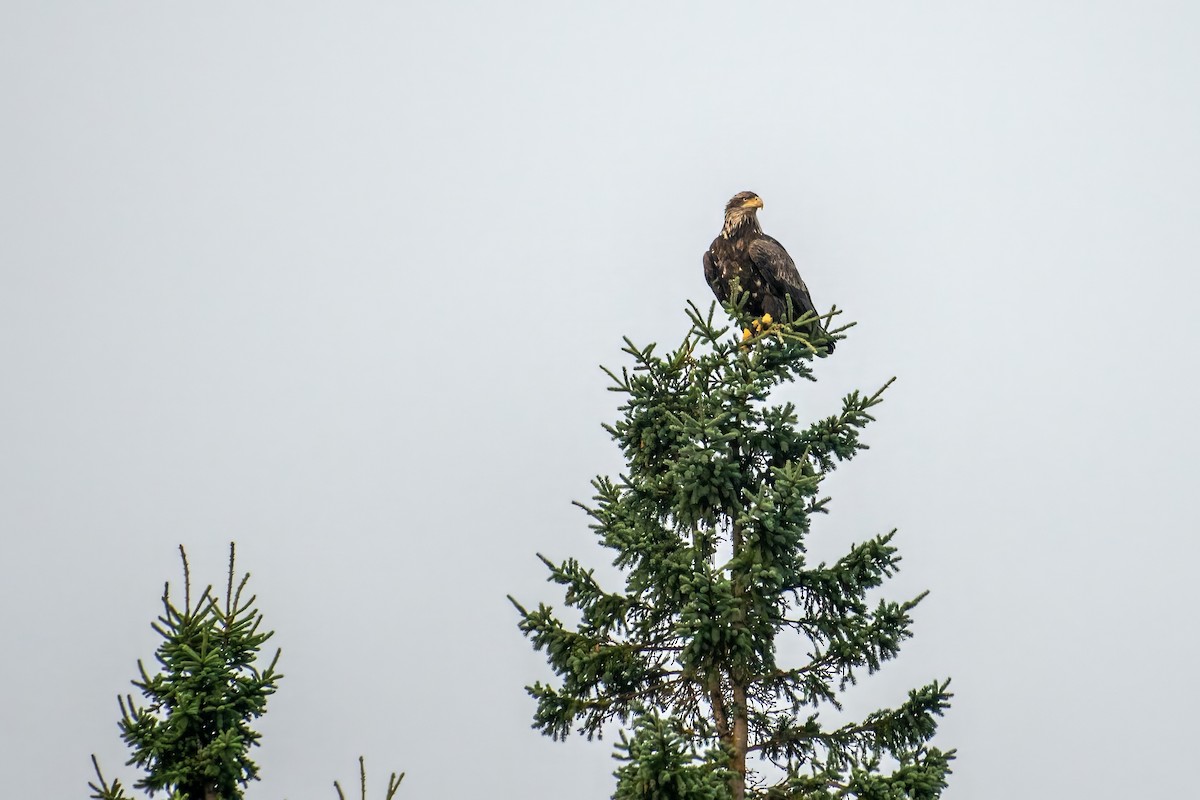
762,267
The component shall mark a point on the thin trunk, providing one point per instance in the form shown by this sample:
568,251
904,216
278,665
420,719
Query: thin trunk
732,730
740,727
740,742
720,716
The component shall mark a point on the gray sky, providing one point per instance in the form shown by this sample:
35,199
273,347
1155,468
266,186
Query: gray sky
333,281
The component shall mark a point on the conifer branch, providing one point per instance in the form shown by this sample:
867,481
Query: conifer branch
393,784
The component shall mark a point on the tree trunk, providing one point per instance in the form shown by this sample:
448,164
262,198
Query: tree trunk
739,712
740,741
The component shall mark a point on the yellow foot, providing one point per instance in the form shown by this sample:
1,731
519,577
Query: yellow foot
762,323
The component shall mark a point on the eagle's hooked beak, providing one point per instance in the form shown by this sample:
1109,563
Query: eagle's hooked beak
753,202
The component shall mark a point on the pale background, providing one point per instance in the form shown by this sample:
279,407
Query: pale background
333,280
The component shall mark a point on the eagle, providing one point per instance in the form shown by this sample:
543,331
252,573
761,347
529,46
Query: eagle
763,269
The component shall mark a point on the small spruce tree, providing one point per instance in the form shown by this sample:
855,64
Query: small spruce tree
708,526
193,735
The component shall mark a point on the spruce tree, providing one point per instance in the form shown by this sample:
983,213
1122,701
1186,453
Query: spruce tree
708,526
192,736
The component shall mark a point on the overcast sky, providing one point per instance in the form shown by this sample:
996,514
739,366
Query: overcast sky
333,281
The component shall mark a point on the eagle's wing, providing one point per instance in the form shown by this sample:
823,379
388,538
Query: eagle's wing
713,276
779,271
720,270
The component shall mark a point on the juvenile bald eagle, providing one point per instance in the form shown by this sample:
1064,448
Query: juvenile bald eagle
761,265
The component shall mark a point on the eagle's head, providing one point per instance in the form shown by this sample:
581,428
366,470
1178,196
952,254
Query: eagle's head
740,212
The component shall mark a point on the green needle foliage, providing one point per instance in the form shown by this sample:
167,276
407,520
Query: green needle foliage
708,526
193,736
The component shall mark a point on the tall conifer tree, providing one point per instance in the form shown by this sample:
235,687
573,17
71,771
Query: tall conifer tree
708,526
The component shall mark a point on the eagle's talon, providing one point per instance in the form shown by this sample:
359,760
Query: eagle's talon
762,324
